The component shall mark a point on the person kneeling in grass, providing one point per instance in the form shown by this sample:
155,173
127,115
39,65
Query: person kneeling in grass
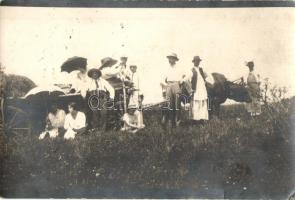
54,123
75,122
131,120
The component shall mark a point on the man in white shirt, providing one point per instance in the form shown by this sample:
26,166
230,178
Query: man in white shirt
171,83
75,122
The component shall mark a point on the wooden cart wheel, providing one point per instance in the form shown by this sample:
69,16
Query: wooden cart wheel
16,120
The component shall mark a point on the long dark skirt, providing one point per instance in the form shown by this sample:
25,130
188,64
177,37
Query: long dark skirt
98,110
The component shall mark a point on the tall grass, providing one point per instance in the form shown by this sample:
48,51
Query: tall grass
230,152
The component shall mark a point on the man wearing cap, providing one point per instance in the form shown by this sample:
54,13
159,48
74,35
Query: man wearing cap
99,92
171,84
253,84
199,101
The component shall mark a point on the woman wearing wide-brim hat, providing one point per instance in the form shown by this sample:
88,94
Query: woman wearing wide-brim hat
109,68
99,92
107,62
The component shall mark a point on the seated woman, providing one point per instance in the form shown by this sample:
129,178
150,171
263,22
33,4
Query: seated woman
131,119
54,122
75,122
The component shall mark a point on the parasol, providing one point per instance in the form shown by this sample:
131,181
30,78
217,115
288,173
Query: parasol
74,63
44,92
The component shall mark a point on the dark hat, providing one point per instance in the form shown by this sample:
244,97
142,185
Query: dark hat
92,71
133,66
173,55
250,64
107,61
196,58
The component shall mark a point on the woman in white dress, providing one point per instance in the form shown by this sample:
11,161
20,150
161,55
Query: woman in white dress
199,101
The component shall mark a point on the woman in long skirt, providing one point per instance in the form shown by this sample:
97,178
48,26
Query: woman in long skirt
254,107
199,102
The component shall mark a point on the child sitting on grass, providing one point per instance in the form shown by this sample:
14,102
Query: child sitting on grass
132,124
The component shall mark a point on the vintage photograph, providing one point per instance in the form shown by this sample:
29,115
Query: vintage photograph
147,102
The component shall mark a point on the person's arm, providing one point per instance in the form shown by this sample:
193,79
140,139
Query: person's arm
80,130
187,76
208,77
205,74
109,88
81,126
67,123
48,123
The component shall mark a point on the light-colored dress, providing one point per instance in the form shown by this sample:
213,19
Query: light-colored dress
71,123
56,121
134,98
199,105
80,83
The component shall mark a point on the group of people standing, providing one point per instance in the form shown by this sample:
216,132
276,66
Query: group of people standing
195,82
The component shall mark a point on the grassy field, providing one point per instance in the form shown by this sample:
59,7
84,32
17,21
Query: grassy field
229,157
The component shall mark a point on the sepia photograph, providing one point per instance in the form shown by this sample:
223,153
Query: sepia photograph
159,103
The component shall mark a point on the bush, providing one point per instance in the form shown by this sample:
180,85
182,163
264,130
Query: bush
18,86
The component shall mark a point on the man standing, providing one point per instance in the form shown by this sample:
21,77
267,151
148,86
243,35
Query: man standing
199,107
172,82
254,108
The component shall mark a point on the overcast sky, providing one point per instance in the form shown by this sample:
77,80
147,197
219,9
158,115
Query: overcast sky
35,41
